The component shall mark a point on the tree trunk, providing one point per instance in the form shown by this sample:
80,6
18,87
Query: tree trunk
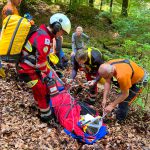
70,2
74,2
101,4
124,11
111,4
91,3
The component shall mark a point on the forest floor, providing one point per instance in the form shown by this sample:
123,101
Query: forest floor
21,128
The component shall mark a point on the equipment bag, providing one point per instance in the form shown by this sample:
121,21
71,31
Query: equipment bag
78,119
14,33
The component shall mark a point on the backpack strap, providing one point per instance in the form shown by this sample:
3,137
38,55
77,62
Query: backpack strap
89,55
127,62
27,44
7,22
33,29
13,37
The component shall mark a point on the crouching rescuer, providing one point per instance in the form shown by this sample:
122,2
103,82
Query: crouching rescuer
129,77
89,61
32,66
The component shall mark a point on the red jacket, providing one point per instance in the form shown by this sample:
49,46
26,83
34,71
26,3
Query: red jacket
36,59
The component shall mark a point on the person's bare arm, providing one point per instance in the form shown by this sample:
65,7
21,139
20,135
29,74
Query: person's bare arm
54,45
62,39
106,91
121,98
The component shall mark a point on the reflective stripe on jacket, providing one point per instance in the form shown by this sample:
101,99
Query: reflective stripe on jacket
34,54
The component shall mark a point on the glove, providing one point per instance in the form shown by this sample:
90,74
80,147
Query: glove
91,83
2,73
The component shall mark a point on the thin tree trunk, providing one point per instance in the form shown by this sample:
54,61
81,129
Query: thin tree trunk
111,4
101,5
124,11
70,2
91,3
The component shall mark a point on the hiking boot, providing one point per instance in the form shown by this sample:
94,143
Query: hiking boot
46,115
34,107
46,119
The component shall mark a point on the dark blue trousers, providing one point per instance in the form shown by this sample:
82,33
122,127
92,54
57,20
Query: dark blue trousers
123,107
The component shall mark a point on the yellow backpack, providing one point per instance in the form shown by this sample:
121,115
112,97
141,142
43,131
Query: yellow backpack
15,30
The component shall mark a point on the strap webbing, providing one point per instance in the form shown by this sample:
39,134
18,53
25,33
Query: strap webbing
13,37
7,22
127,62
90,54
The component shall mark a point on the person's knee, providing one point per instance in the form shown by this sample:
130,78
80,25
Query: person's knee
40,89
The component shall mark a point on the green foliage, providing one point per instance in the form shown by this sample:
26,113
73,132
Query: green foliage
126,26
25,6
135,32
130,46
73,7
139,51
137,23
84,16
139,102
103,14
48,1
145,38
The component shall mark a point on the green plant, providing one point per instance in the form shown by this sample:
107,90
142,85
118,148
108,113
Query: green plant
129,46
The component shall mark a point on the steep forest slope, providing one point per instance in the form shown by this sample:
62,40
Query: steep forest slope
20,126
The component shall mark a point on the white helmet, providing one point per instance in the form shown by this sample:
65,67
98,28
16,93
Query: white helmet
91,125
63,20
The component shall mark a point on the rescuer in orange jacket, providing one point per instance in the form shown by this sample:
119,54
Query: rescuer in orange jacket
131,79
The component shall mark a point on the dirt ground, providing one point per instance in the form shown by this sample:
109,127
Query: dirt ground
21,128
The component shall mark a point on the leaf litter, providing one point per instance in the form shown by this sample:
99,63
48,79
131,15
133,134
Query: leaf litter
21,128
